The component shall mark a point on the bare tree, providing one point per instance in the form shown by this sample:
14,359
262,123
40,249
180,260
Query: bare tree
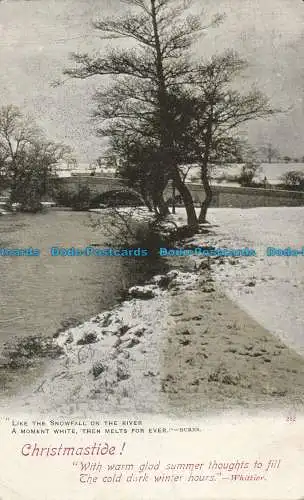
270,152
217,111
27,158
163,35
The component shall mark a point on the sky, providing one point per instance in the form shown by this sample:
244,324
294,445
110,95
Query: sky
37,37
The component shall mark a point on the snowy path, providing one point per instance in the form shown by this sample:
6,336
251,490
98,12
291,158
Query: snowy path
276,298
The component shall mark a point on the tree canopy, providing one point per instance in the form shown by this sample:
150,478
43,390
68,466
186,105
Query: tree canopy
27,157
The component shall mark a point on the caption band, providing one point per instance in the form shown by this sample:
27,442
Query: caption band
92,251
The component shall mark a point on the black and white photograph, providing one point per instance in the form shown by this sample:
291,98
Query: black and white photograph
151,211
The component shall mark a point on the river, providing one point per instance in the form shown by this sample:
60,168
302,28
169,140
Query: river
38,293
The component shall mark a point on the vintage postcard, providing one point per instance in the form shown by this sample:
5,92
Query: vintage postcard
151,250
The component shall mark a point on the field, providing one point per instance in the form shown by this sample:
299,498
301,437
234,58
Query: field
276,292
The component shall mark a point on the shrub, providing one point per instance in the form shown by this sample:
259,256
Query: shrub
116,198
23,352
293,180
247,175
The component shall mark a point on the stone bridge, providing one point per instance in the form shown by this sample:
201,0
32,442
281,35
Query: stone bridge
97,184
223,196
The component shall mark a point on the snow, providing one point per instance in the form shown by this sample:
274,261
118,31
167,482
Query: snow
103,357
114,361
273,172
275,296
139,214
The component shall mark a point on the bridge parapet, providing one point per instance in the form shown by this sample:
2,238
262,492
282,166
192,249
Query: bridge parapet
97,184
242,197
223,196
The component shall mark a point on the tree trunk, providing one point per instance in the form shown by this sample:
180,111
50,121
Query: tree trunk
208,192
204,170
161,205
149,205
187,199
173,199
13,186
165,125
167,143
145,194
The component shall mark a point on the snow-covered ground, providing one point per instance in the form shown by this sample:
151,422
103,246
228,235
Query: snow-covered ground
112,361
180,332
275,295
273,171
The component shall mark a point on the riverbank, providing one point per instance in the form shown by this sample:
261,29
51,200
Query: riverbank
178,347
41,294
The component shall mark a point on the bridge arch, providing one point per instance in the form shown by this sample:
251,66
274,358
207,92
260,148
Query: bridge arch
119,196
101,188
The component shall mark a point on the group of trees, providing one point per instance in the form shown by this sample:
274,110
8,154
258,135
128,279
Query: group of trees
269,153
294,180
160,107
27,159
